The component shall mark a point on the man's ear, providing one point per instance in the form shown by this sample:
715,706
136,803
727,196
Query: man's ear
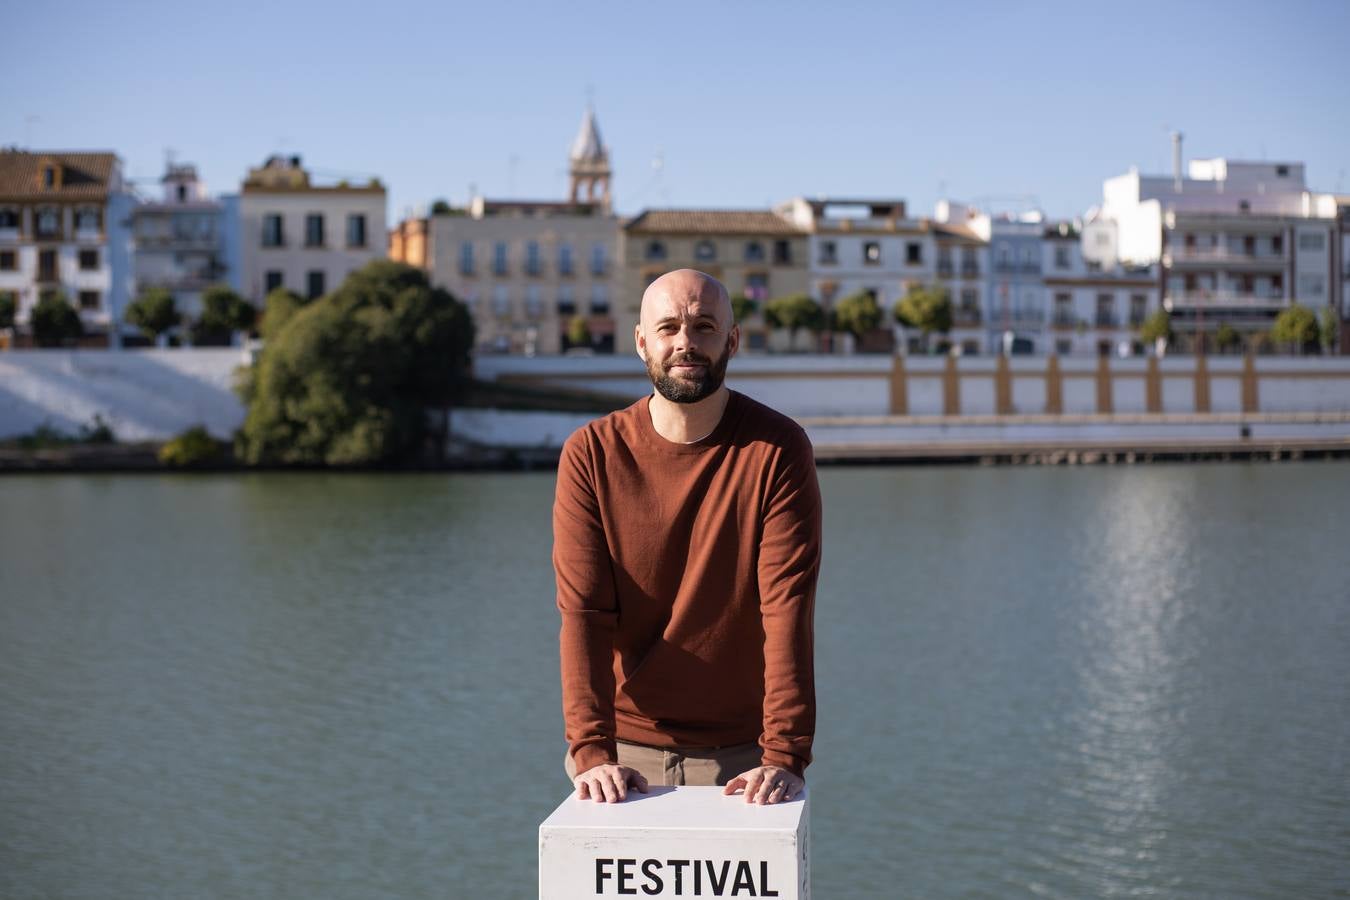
733,340
640,342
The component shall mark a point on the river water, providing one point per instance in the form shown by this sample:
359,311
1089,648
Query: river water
1078,682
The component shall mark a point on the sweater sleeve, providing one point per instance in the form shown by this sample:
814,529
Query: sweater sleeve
789,561
587,603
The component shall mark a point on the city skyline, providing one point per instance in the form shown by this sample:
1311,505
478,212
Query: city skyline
1007,107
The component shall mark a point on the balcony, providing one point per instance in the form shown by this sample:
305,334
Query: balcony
999,318
944,268
966,317
534,269
1223,256
1064,321
970,270
1106,320
1223,300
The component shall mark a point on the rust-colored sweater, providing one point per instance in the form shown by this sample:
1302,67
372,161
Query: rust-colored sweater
686,584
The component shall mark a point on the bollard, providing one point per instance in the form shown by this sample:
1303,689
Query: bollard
675,842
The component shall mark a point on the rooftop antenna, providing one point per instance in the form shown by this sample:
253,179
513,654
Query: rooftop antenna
1176,161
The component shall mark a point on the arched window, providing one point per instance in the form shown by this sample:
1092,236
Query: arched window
705,251
754,252
656,250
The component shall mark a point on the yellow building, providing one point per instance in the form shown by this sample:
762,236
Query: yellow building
755,253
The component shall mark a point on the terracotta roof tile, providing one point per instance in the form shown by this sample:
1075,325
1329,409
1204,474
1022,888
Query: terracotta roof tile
710,221
84,176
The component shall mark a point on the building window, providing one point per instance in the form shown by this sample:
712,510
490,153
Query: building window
1311,240
466,258
1063,347
47,269
656,250
272,280
314,230
534,304
272,233
1138,309
48,222
914,253
9,217
49,176
567,304
598,262
782,253
1064,310
829,253
532,264
89,300
499,258
599,299
1244,206
754,252
356,230
501,301
705,251
564,259
87,219
88,260
1061,257
1106,310
757,286
9,261
314,283
10,298
1311,286
1282,171
871,253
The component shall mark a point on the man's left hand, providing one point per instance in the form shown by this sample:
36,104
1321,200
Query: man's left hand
766,784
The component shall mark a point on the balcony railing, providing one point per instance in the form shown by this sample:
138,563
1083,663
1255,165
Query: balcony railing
1106,320
1016,316
1223,255
966,317
1064,320
970,269
1223,299
944,267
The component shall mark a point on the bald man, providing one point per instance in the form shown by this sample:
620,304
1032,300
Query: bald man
686,543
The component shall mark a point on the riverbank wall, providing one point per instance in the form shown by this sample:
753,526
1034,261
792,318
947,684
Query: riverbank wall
861,408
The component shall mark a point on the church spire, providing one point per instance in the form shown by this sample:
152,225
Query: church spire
589,164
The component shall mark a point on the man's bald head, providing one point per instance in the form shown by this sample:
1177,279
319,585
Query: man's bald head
679,288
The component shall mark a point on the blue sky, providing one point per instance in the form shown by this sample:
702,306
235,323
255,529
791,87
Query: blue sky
745,103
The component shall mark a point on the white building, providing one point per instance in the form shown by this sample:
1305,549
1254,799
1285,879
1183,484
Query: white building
305,237
1237,243
863,246
1096,305
182,242
62,228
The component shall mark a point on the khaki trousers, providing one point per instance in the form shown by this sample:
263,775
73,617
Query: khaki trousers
695,766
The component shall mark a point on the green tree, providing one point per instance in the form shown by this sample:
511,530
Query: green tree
440,207
349,378
194,447
154,312
1226,337
794,312
278,307
857,314
54,321
742,307
223,313
578,332
927,308
1296,326
1330,330
1157,325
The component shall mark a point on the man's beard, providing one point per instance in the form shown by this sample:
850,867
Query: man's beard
684,389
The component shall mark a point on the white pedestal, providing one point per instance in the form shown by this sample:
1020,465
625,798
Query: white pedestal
675,842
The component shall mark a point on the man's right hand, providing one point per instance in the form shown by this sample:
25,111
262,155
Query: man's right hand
608,783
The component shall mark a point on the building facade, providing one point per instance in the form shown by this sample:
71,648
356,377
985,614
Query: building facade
181,242
305,237
1096,307
758,254
62,229
1236,243
539,276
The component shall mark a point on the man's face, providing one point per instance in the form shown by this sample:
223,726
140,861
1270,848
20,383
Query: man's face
686,337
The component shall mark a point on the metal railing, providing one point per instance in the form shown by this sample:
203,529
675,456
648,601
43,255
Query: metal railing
1208,299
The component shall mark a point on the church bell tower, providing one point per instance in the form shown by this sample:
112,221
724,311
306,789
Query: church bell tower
589,166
